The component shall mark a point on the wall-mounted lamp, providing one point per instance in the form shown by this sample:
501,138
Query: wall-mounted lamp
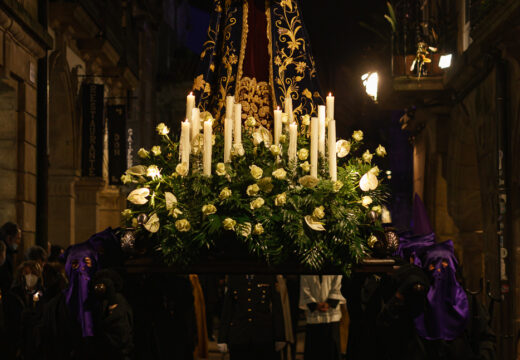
370,82
445,61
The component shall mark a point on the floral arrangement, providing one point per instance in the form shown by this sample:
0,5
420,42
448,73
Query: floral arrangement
270,204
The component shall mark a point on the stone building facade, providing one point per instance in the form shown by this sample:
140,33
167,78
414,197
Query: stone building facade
23,41
48,49
465,130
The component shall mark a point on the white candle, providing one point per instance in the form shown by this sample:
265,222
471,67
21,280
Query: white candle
293,141
185,142
237,127
230,100
314,146
195,123
277,125
228,138
321,119
330,106
288,109
333,171
208,129
190,104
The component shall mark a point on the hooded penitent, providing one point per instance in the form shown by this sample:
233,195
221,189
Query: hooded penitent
446,312
421,234
260,53
107,246
81,264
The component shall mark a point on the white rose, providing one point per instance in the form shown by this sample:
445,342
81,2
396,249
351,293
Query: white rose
275,150
244,229
162,129
156,150
256,172
252,190
229,224
280,174
182,169
153,172
306,167
182,225
280,199
303,154
221,169
366,201
258,230
257,203
319,212
143,153
357,135
381,151
224,194
342,148
126,179
209,209
337,186
367,156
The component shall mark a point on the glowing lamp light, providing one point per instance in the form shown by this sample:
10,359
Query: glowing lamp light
370,82
445,61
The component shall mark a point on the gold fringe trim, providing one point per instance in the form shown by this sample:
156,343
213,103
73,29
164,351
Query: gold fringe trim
270,50
243,45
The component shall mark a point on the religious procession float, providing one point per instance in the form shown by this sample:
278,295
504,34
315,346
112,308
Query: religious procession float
245,174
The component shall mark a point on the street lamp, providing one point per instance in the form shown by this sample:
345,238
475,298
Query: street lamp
370,82
445,61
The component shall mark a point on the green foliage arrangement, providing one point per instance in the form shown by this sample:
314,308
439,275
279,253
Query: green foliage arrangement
271,205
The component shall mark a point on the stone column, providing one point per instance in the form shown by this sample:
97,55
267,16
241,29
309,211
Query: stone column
88,213
62,197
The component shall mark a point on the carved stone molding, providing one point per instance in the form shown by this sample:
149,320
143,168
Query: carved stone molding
22,37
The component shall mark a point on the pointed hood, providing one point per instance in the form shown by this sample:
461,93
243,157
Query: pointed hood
447,310
421,234
420,224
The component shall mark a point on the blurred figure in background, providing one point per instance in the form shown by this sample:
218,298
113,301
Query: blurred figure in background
22,309
252,324
320,297
11,236
55,253
36,253
113,335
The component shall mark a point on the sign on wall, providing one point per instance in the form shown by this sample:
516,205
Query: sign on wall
116,117
93,126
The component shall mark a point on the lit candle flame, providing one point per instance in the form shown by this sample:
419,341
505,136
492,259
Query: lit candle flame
330,94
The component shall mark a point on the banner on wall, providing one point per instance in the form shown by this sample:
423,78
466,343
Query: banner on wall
117,151
93,126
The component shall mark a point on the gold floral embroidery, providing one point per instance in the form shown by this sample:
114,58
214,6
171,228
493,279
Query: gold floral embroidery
198,83
255,99
291,53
